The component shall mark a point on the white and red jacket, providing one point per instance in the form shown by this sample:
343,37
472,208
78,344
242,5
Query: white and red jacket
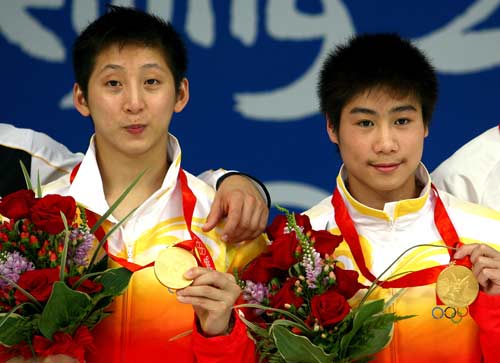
386,234
146,318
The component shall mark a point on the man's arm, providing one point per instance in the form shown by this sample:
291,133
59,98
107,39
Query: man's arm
242,200
42,156
218,334
486,309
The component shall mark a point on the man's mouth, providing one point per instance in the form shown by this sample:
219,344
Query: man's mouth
135,129
386,167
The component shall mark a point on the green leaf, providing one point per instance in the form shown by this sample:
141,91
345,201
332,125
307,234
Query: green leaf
396,296
64,255
91,265
95,317
303,326
361,314
375,334
65,310
261,332
100,266
13,330
288,323
116,203
115,281
296,348
366,311
26,175
38,184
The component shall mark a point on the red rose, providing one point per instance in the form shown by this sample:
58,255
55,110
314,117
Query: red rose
282,251
286,295
325,242
17,205
329,308
279,225
87,286
46,215
260,270
279,258
38,283
346,282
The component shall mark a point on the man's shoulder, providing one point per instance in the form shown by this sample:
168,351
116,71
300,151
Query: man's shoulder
471,215
59,186
321,213
199,186
471,156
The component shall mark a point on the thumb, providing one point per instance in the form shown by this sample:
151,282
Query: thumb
214,216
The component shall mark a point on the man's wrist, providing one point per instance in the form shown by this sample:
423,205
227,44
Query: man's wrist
258,184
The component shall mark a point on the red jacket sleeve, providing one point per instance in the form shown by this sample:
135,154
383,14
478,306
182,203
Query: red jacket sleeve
236,347
486,312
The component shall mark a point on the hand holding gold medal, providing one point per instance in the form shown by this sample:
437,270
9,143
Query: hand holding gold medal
170,266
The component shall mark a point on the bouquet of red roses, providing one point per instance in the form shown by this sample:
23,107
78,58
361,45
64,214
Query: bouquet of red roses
51,295
299,300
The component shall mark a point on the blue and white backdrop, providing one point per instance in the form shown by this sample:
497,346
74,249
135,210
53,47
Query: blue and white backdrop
253,69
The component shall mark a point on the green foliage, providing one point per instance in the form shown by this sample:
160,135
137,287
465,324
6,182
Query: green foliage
115,282
297,348
14,329
300,333
361,334
65,310
68,307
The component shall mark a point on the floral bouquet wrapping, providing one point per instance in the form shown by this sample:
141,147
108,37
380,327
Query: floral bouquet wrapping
51,293
297,300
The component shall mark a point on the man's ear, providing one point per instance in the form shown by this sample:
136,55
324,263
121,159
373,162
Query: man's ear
331,134
182,96
79,101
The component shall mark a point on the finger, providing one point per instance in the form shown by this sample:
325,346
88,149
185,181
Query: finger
264,217
244,228
487,276
492,275
206,292
195,272
214,305
257,225
482,263
214,216
234,214
482,250
217,279
464,250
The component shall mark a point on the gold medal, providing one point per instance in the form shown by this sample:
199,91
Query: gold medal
170,266
457,286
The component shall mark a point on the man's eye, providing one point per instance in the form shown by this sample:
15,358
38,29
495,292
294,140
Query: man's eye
113,83
365,123
402,121
152,82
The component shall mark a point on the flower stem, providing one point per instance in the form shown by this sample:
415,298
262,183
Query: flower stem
375,283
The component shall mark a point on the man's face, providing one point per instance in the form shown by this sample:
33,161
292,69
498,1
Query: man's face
381,139
131,99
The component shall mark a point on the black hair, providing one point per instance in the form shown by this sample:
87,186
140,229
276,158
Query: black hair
371,61
123,26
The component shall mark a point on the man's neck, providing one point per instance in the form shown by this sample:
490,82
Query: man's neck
377,199
119,172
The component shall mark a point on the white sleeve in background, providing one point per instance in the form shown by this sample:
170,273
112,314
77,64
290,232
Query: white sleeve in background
211,176
473,171
49,158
